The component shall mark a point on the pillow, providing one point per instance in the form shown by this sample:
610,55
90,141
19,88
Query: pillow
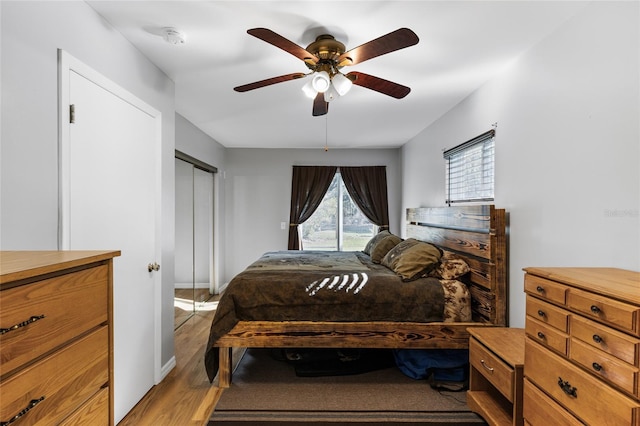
412,259
383,246
373,241
450,267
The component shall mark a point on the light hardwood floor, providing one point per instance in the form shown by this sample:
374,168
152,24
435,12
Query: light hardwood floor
185,397
184,300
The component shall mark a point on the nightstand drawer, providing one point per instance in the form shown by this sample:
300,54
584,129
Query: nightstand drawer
546,289
619,314
618,344
548,314
606,366
492,368
547,335
540,410
584,395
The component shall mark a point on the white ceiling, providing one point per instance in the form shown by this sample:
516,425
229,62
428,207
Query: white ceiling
462,45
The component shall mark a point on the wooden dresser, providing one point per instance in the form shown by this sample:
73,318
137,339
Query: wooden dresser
582,350
56,339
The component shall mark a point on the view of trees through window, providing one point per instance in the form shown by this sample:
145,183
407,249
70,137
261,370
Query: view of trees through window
338,223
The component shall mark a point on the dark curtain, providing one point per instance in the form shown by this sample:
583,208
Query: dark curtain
308,187
368,189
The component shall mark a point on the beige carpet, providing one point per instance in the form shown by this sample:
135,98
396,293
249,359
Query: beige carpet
265,390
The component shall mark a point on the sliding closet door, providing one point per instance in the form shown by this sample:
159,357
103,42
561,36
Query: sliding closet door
203,230
194,251
184,225
184,288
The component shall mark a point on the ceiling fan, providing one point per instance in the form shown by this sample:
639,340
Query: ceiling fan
326,56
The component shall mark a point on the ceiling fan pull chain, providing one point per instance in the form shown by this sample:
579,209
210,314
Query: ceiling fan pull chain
326,132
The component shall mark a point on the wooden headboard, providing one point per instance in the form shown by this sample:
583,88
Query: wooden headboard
477,234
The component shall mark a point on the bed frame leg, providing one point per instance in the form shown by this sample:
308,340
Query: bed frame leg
224,368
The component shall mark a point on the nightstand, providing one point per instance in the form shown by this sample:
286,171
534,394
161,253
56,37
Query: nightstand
496,355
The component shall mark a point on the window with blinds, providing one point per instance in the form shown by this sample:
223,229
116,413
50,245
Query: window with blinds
470,170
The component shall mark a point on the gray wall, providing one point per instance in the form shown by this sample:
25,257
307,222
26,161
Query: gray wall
31,33
258,194
567,147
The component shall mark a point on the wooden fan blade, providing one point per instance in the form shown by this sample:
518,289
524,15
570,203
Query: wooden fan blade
320,106
396,40
268,82
288,46
378,84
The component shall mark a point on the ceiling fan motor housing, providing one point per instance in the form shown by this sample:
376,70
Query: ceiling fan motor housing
328,50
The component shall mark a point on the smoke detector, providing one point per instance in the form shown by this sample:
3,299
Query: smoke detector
173,36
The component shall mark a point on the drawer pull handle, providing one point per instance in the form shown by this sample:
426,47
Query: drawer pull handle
541,313
595,309
541,335
540,289
24,411
596,366
22,324
485,365
597,338
567,388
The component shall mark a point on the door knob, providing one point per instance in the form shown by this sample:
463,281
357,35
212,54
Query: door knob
153,267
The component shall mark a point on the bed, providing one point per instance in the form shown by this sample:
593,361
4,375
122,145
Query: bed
285,298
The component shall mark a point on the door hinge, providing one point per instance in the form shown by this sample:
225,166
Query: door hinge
72,113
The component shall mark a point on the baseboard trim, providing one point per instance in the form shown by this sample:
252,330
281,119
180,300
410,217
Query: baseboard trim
166,369
191,285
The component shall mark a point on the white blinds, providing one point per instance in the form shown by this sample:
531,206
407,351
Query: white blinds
470,170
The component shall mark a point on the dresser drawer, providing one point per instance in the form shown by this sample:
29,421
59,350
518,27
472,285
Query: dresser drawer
546,289
64,381
619,314
548,314
540,410
547,335
66,306
611,341
606,366
496,371
95,412
584,395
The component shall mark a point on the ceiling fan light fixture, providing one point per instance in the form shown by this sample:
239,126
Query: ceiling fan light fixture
321,81
341,83
331,93
308,90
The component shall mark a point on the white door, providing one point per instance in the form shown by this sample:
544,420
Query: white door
110,201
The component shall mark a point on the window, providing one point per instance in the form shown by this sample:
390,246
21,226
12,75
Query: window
338,223
470,170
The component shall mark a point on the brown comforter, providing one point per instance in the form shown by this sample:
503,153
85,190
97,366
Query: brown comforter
321,286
